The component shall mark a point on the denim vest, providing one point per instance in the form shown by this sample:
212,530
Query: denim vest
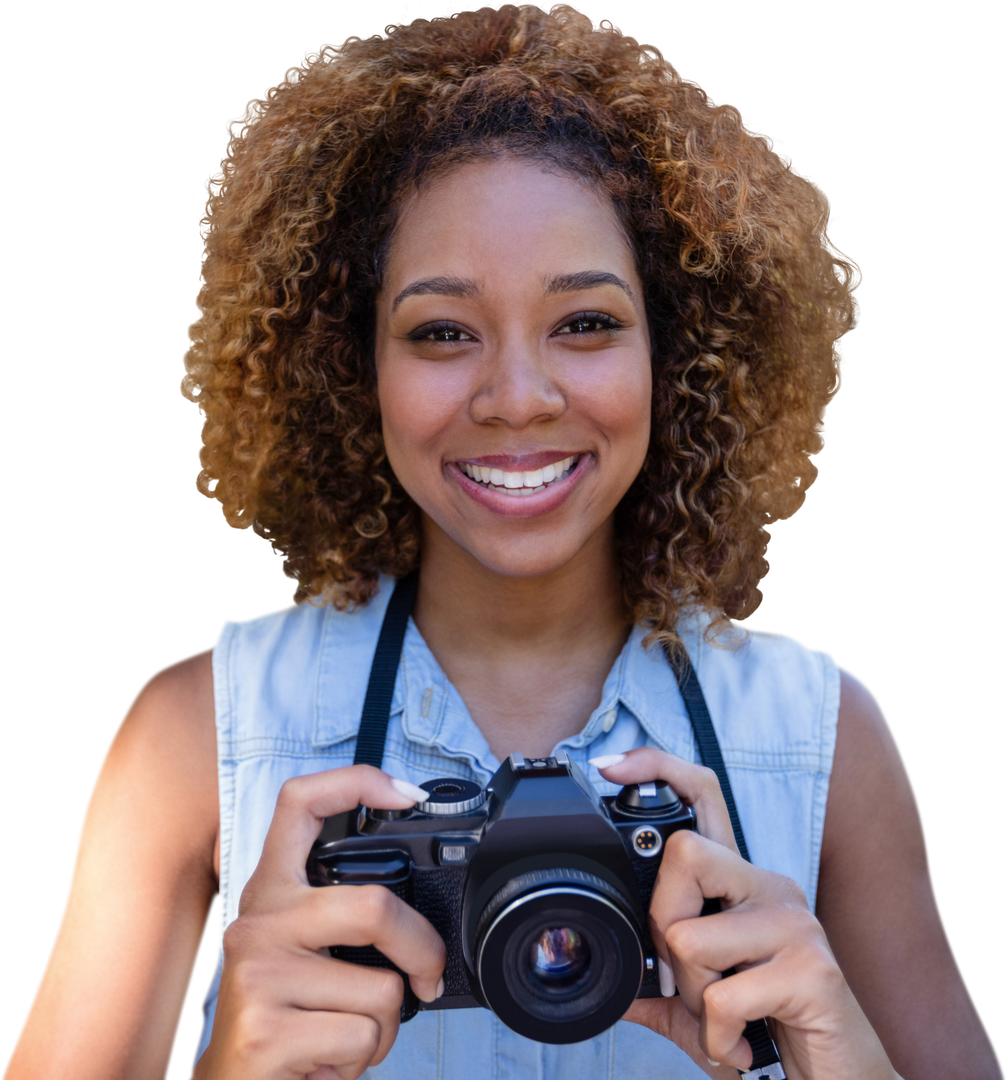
288,691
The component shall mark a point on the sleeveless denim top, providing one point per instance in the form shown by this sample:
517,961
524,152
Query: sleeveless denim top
288,691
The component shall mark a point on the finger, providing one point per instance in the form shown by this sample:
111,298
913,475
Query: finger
804,990
740,938
373,915
672,1020
730,1004
345,1042
375,993
293,1042
322,984
702,949
695,785
693,868
305,801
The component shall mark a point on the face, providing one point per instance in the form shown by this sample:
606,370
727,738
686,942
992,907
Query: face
513,364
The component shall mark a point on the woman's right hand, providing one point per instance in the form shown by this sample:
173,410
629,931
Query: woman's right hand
286,1008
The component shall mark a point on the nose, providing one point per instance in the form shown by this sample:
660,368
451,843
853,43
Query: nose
516,388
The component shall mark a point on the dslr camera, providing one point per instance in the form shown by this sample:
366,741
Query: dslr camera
538,886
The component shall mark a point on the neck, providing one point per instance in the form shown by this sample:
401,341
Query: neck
464,603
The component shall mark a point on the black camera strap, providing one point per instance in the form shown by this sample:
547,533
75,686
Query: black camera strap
373,730
706,737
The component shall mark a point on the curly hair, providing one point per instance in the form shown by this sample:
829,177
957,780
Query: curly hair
744,295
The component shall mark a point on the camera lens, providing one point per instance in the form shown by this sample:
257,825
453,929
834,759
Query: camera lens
559,958
558,955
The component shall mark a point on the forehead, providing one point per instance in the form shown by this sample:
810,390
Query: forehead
506,178
506,215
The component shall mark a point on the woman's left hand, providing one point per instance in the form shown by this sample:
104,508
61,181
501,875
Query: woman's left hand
786,969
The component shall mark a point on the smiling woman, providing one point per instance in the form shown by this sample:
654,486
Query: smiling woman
541,358
743,299
500,307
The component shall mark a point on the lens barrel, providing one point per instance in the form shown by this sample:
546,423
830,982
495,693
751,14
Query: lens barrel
559,958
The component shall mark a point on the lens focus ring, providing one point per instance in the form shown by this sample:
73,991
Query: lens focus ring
537,878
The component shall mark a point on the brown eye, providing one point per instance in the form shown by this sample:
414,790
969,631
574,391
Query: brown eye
589,322
440,332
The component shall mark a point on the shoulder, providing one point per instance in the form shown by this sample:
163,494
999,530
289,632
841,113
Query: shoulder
163,762
296,676
867,776
143,883
871,794
770,696
297,642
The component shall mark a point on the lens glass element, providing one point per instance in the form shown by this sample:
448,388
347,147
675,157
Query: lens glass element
560,956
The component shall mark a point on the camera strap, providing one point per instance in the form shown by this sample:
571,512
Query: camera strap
706,737
370,749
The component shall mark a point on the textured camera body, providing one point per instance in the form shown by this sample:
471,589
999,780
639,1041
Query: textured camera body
538,887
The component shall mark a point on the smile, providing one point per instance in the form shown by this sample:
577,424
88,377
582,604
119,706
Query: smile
519,484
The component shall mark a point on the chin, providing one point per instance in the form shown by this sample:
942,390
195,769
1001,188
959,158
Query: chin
524,552
532,560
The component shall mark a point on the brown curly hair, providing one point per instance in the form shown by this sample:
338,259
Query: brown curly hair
744,295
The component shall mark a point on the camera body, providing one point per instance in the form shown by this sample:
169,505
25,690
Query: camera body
538,886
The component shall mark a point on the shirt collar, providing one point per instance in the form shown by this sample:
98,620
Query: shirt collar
433,714
641,680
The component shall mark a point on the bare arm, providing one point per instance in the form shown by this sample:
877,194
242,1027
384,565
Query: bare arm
110,1000
877,906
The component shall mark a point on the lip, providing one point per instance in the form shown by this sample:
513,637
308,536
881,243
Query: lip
527,505
522,462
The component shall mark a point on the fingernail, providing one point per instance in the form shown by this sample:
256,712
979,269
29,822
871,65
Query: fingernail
606,760
437,994
410,791
666,978
715,1064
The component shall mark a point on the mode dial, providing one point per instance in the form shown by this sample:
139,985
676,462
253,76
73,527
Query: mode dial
450,795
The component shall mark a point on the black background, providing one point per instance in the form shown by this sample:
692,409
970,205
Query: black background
120,566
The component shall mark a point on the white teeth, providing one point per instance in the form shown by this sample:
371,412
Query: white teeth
519,483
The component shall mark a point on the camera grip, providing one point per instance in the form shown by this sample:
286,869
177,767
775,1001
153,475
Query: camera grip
369,956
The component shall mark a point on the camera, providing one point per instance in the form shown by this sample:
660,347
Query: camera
538,886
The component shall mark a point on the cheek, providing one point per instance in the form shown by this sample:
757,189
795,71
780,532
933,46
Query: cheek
418,403
619,403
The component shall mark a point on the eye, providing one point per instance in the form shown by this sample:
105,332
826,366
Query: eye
429,332
440,333
588,318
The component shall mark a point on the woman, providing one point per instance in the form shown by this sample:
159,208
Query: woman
502,298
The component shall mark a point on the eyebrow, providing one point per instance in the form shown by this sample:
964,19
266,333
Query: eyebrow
465,289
